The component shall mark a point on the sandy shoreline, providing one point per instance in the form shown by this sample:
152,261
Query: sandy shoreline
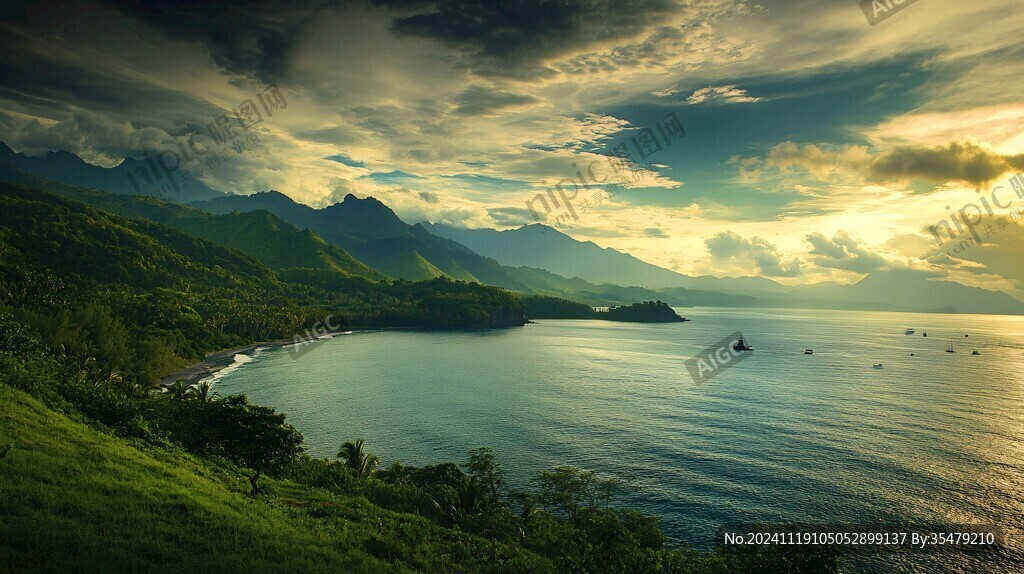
219,360
215,362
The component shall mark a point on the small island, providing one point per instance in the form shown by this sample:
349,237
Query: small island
646,312
544,307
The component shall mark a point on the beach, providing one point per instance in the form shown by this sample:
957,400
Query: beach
215,362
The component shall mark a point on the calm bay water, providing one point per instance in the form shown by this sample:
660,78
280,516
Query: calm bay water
779,437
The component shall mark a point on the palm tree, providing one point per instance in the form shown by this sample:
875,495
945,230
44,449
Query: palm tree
362,463
178,390
203,393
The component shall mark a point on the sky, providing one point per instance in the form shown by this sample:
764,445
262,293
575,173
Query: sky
793,140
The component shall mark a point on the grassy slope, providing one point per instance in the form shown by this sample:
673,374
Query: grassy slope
409,265
75,499
266,237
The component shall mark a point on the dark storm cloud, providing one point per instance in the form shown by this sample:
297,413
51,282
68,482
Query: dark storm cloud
965,162
55,97
250,37
503,38
513,38
481,100
39,82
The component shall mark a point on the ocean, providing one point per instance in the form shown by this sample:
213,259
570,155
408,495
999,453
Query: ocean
779,437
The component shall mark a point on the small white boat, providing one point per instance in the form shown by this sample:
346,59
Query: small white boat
908,332
878,366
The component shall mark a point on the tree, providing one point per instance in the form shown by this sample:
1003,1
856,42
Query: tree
362,463
203,392
177,390
486,470
569,489
255,437
566,489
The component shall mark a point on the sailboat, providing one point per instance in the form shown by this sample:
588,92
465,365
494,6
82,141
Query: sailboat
950,349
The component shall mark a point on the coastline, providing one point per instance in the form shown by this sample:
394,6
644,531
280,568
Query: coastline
215,362
220,360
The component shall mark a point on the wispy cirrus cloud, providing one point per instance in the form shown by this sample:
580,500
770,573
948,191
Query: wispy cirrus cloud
721,94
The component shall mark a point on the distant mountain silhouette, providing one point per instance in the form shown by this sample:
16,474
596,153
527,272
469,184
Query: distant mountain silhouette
132,176
541,246
911,290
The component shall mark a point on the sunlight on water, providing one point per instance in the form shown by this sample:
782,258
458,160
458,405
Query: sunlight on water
780,436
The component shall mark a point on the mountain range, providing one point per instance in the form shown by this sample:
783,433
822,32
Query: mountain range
362,237
371,232
132,176
538,245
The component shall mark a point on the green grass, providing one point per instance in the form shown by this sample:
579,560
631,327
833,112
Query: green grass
409,265
74,499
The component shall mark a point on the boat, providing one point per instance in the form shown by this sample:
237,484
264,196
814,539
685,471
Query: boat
741,345
926,333
975,353
908,332
878,366
950,349
808,351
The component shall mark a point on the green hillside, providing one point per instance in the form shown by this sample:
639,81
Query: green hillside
73,499
173,297
374,234
272,241
275,243
409,265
